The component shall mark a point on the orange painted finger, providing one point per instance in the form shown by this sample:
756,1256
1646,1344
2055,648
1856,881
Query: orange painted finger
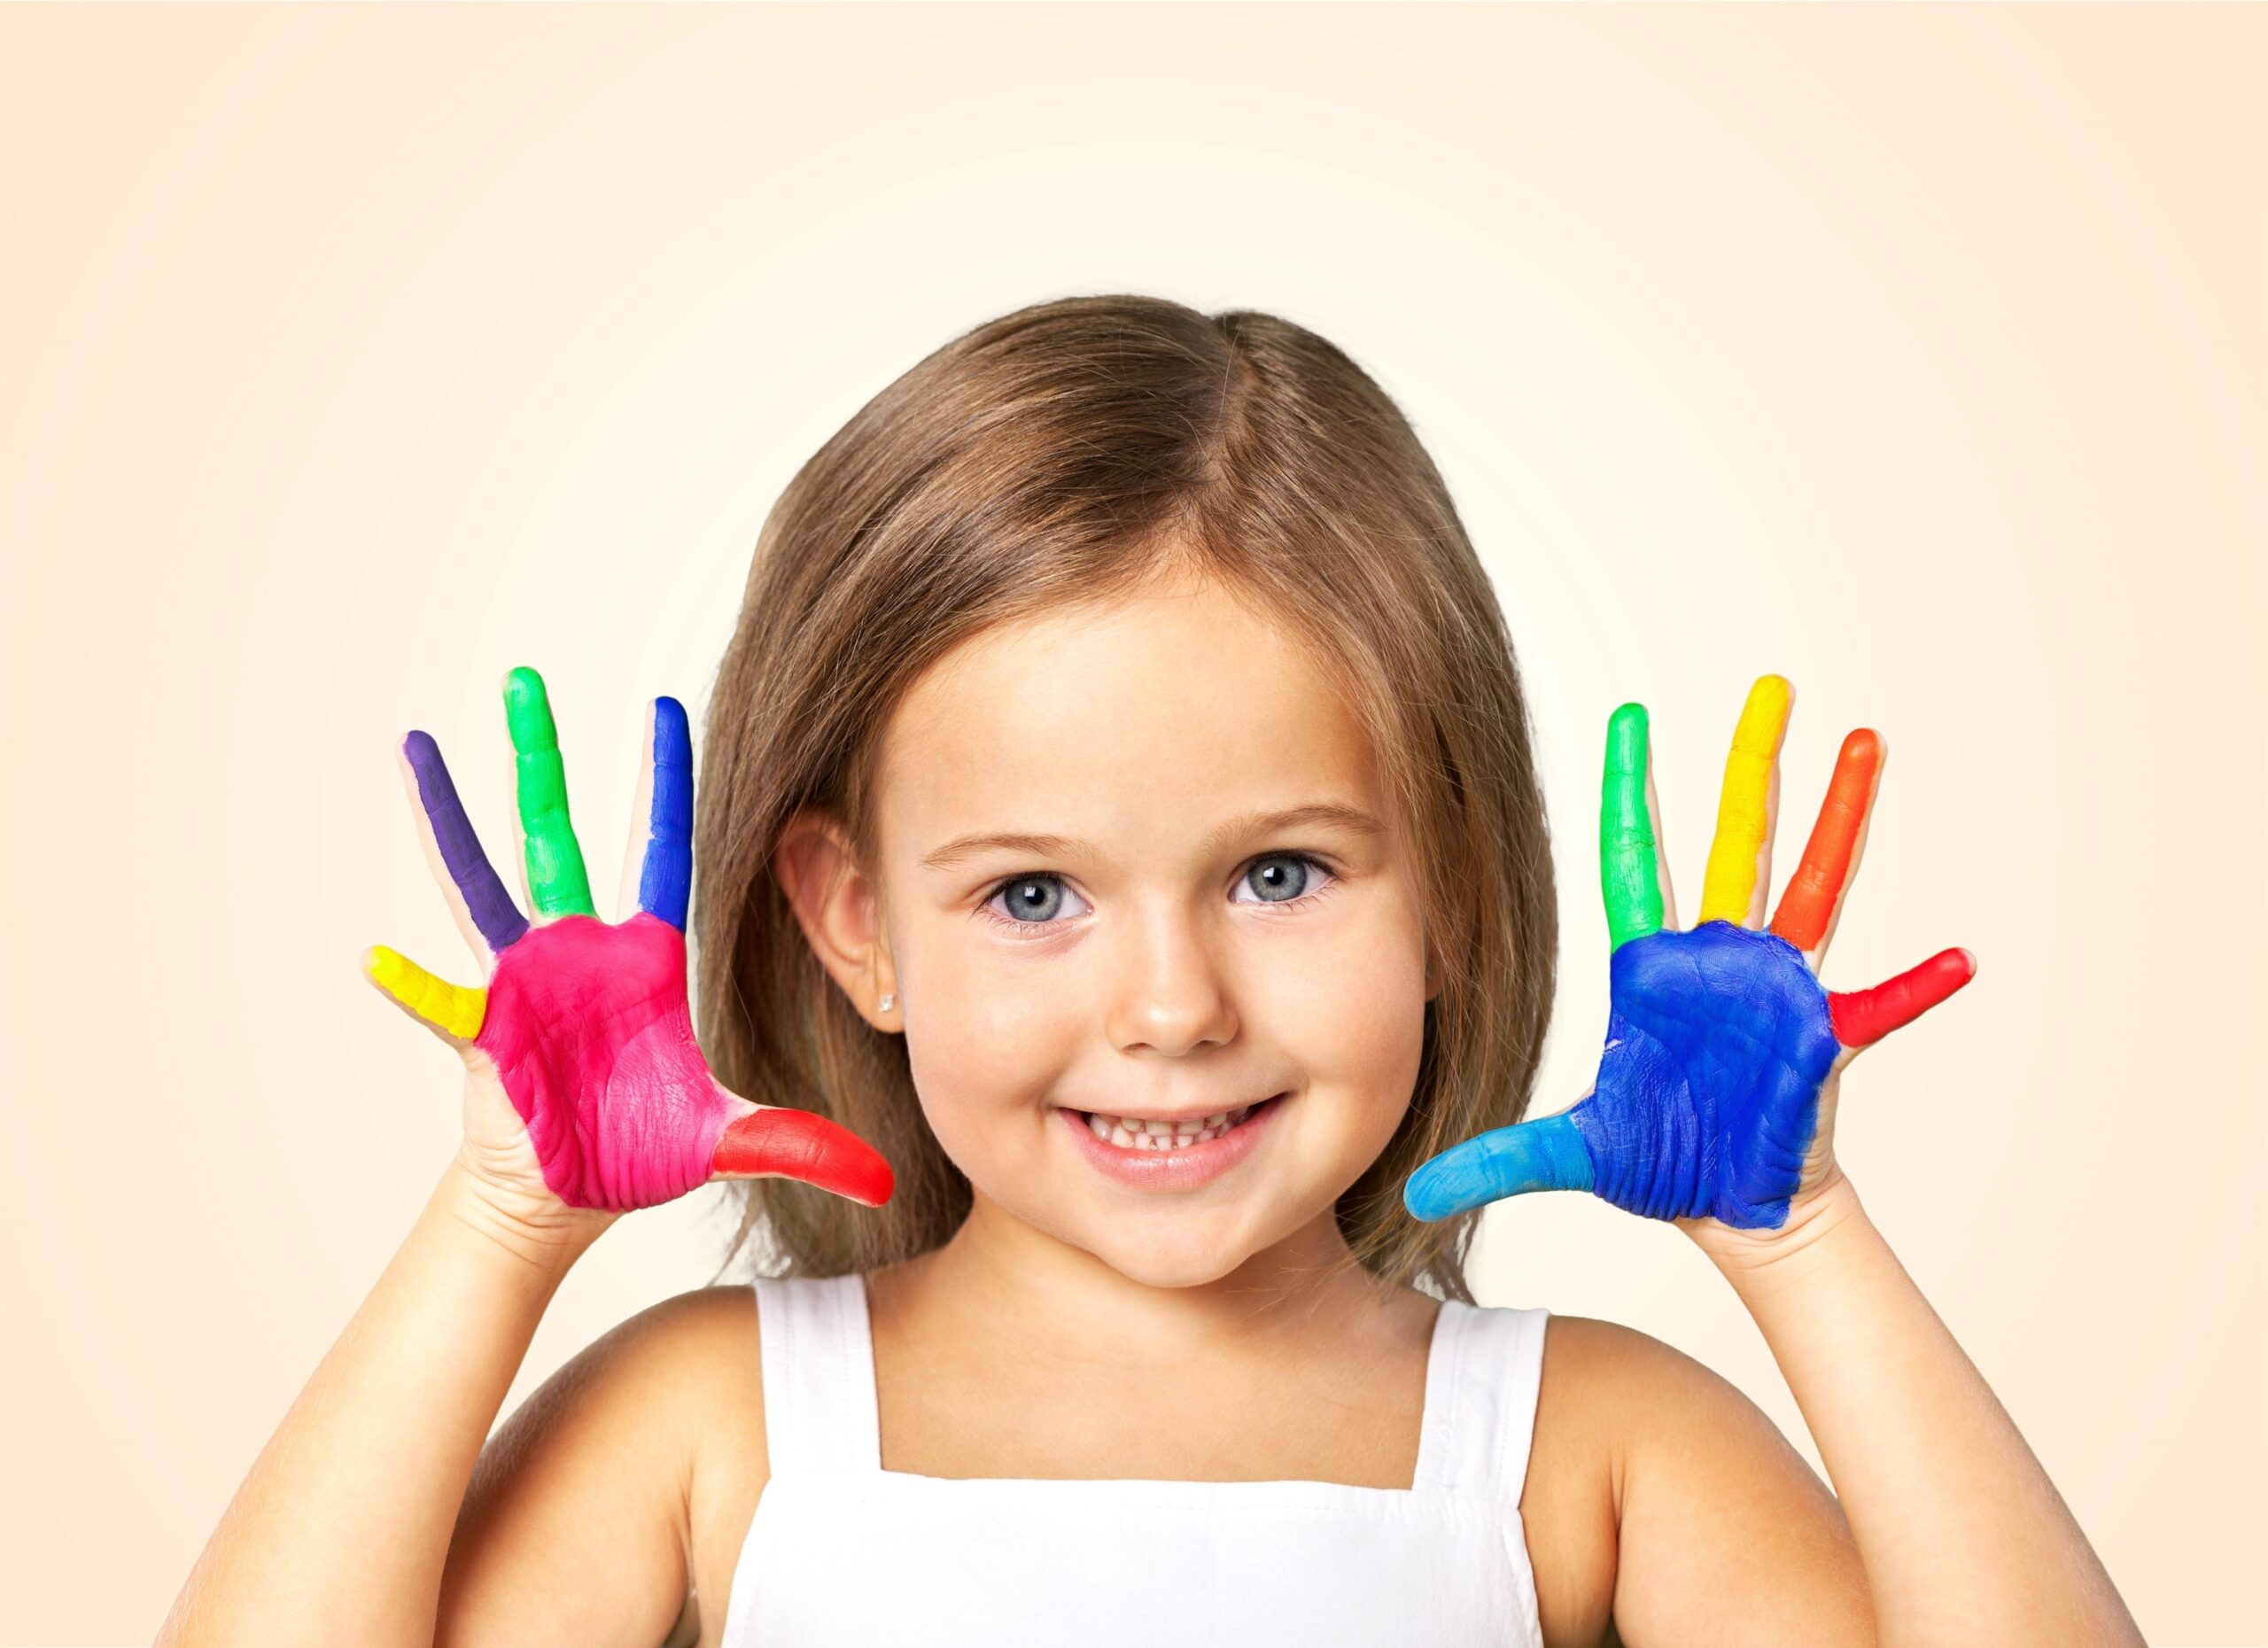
1807,906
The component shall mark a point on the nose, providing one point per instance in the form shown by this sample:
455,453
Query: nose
1169,995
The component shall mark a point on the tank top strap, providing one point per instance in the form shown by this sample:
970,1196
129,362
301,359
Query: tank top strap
819,1410
1481,1382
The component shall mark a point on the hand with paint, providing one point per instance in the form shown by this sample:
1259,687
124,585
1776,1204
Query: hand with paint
1715,1095
583,1083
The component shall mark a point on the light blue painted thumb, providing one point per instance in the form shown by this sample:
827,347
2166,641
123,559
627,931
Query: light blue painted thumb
1544,1154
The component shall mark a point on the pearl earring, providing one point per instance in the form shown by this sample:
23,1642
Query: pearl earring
888,1002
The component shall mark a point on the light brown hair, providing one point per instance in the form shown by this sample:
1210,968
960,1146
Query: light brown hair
1053,457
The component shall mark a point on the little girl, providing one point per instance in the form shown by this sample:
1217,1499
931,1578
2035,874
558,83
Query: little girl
1126,938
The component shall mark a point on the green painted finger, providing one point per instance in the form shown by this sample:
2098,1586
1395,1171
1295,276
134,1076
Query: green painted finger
1627,871
557,884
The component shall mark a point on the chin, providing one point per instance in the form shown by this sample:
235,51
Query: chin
1187,1266
1173,1249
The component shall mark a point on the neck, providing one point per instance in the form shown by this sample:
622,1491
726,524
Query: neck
1017,1277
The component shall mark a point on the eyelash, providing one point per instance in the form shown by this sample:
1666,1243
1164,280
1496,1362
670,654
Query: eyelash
1307,859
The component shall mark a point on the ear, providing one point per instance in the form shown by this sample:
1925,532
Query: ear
1435,976
839,909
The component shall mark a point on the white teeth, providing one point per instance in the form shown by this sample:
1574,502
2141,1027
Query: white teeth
1133,1133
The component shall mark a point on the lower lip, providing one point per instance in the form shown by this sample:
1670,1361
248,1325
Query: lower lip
1174,1169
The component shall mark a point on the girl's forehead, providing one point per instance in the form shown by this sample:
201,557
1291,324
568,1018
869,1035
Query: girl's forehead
1165,702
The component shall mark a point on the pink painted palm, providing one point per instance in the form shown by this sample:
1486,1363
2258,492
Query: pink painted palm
583,1029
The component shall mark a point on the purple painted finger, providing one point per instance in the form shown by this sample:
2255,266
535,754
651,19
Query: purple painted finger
491,908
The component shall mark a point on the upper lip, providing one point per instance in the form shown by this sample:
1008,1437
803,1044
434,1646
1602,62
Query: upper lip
1180,1115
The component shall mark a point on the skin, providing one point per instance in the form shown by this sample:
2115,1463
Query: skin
1164,981
1720,1042
1041,1341
584,1028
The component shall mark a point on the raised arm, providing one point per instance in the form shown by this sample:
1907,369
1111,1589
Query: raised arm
585,1096
1715,1108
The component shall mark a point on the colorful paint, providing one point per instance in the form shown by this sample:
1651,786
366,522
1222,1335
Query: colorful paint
586,1021
492,908
1807,906
1719,1039
1736,853
557,884
1629,865
665,872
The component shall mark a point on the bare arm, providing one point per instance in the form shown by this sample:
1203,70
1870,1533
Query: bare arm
1946,1528
1714,1108
347,1513
578,1526
1962,1535
1716,1531
581,1037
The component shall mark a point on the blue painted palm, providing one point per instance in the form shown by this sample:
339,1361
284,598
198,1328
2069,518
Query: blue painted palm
1714,1092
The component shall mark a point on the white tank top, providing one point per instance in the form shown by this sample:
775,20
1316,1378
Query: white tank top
842,1551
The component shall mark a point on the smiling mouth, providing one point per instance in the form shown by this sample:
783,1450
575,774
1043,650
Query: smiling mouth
1133,1133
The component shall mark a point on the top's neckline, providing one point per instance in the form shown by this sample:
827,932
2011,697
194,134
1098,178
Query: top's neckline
1433,1423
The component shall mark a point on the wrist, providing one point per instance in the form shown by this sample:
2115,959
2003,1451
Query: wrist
543,1233
1813,1222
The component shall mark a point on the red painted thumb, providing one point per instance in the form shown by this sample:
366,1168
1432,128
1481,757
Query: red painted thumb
779,1142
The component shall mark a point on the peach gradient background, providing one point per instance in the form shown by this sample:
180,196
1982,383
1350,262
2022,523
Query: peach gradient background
352,356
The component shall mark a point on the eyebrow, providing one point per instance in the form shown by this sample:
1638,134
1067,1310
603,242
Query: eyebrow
1318,814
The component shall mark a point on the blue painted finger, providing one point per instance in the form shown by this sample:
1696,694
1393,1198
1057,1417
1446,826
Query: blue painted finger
1548,1153
665,877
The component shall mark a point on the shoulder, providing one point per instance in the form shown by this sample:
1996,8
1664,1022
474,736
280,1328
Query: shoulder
668,1370
1629,1399
1569,1506
1652,1477
696,1362
651,1380
1621,1394
599,1471
705,1344
1598,1367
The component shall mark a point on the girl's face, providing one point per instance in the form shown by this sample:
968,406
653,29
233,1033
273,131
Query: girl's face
1136,863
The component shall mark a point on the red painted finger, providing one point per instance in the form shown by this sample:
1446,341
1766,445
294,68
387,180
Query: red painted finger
788,1143
1861,1016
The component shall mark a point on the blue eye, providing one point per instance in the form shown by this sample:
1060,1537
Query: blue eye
1042,899
1281,877
1034,900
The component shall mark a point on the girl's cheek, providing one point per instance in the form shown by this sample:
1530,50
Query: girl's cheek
1351,1013
982,1040
990,1040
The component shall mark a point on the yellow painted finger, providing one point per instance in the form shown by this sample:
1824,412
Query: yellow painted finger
1740,855
452,1009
